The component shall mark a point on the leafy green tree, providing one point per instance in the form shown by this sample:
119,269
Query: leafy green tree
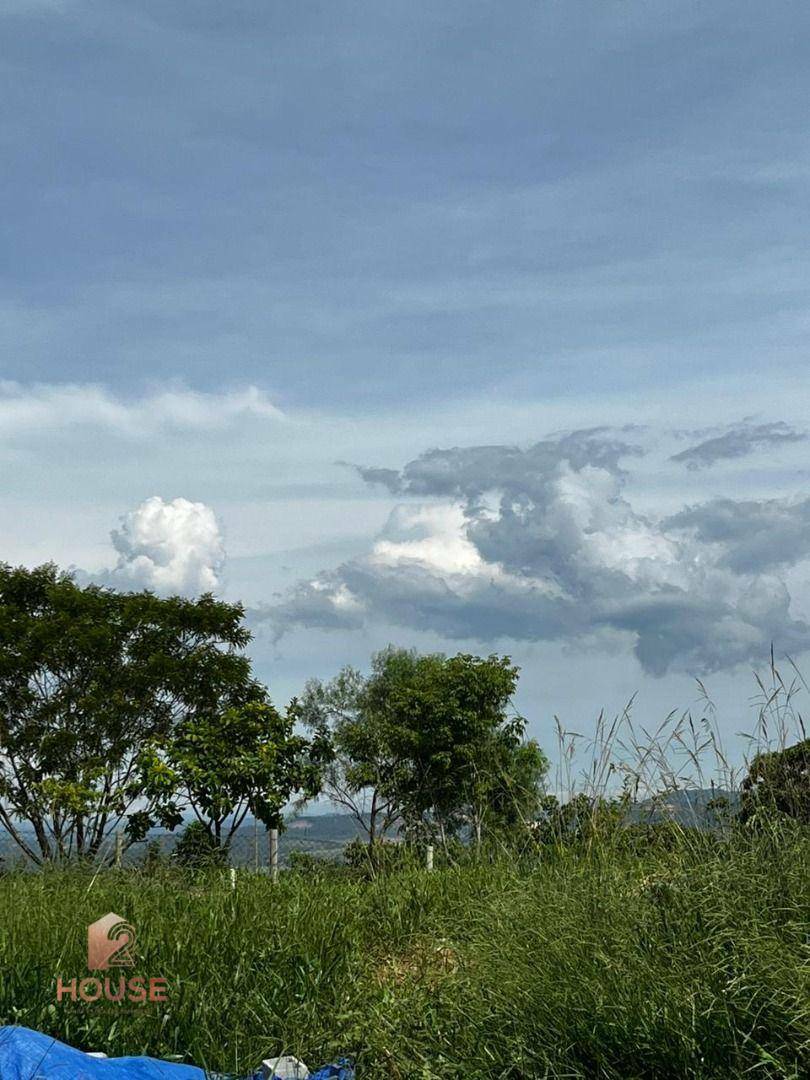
222,766
778,782
361,771
88,678
427,742
516,793
450,721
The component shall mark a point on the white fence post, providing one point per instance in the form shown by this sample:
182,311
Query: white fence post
119,849
272,837
429,857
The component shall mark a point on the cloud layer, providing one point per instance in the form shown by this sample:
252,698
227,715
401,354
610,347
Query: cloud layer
738,441
56,406
494,542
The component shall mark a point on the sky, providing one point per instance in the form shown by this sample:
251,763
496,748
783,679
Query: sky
462,326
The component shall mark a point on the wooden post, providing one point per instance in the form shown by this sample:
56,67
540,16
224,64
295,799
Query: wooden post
233,877
272,838
429,857
119,849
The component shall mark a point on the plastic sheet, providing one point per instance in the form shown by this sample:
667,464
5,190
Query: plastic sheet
30,1055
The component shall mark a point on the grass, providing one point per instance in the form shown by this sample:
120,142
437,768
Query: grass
689,962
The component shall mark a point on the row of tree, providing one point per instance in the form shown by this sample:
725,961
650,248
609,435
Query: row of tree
122,711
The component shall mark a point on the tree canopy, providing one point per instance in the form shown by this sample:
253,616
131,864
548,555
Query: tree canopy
120,711
427,742
88,678
222,766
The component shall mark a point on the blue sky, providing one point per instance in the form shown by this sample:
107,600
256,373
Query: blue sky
246,247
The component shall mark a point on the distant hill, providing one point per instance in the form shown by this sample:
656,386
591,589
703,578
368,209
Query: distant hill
321,835
687,807
326,835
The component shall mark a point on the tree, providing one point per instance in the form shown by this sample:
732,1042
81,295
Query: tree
360,770
88,678
222,766
778,782
516,793
450,721
427,741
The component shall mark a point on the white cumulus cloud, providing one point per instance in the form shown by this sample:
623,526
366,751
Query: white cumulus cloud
170,547
544,544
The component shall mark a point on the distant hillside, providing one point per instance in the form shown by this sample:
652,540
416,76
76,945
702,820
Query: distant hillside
688,807
322,835
326,835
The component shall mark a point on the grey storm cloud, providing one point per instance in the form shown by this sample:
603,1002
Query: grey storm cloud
751,536
468,472
389,478
495,542
740,440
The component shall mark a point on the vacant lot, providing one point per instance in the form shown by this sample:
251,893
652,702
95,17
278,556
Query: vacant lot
687,962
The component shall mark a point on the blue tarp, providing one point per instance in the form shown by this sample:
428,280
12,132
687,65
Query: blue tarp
30,1055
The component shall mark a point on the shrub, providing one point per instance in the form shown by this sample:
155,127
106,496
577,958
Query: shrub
199,849
778,783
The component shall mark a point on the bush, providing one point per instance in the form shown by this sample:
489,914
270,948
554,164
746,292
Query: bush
199,849
304,864
778,783
154,858
384,857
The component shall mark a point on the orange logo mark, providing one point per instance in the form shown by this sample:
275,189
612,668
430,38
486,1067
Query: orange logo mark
110,943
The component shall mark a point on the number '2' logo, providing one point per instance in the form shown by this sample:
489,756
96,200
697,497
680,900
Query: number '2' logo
110,943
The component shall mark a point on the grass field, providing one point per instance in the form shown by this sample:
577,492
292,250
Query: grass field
690,962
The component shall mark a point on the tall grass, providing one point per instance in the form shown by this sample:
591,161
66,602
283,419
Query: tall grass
691,962
688,958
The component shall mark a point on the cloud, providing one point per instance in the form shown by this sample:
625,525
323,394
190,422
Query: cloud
467,472
543,544
389,478
55,406
738,441
750,536
170,547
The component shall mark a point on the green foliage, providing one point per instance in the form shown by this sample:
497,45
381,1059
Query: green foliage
154,858
384,856
222,766
516,794
198,848
582,819
778,782
361,769
305,864
427,741
88,678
